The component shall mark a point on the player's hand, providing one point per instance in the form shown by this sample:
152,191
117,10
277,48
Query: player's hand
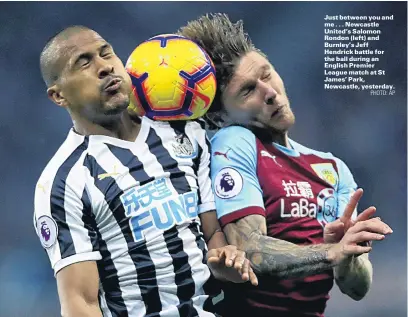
229,264
334,231
355,239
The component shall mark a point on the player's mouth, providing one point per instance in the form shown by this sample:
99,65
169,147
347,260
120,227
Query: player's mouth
113,85
277,111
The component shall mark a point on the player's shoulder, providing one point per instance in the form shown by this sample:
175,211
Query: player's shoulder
324,155
234,136
236,144
71,149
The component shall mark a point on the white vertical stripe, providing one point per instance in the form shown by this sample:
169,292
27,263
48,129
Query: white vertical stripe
200,271
194,130
74,187
150,163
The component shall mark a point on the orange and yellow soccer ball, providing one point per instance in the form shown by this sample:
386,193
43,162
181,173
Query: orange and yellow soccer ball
172,77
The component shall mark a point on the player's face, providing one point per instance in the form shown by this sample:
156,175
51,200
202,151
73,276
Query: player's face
93,80
256,93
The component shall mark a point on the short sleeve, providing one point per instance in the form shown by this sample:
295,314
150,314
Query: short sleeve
64,221
234,175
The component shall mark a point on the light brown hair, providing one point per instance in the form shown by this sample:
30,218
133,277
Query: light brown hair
225,42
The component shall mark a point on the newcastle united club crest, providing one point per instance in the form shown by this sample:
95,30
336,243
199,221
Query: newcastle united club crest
183,147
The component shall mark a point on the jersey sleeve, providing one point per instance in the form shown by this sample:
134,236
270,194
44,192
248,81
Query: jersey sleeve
234,175
347,186
64,222
205,193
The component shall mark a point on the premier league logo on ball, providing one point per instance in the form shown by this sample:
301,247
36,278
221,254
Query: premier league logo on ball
228,183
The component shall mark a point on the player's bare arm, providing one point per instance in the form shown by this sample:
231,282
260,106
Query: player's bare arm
287,260
273,256
354,276
78,286
226,262
213,234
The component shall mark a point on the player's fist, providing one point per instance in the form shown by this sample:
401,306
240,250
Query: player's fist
230,264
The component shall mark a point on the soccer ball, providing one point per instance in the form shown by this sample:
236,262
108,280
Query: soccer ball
172,79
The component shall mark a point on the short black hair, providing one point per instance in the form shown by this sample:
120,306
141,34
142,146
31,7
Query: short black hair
49,55
225,42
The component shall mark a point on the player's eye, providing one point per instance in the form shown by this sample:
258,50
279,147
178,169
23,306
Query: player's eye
106,53
248,90
266,76
83,62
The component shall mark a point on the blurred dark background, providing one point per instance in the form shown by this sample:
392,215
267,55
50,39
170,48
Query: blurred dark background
367,132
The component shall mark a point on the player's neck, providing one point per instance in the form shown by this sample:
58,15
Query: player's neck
269,136
282,139
123,127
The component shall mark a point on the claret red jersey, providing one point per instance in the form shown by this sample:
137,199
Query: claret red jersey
298,191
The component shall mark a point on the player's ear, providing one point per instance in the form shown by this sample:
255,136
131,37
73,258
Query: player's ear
56,96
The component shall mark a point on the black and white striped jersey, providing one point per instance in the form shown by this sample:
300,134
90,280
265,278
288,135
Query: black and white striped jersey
133,207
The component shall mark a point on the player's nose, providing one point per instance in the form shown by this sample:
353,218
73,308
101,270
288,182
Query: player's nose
269,93
105,69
